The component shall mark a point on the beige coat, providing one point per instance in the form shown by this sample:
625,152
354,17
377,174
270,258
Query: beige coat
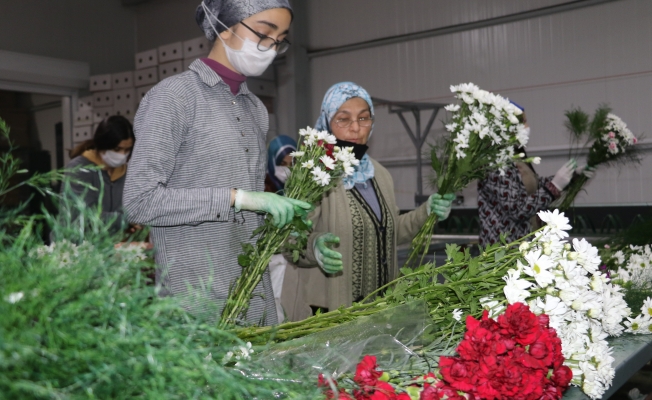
306,284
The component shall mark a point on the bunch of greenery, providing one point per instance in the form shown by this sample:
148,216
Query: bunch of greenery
79,320
608,140
469,282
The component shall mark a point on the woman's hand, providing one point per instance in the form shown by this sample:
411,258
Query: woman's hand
441,205
563,176
281,208
133,228
328,259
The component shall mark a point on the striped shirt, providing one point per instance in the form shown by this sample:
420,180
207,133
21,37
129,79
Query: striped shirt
195,141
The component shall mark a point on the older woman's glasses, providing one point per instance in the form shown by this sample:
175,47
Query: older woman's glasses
267,42
346,122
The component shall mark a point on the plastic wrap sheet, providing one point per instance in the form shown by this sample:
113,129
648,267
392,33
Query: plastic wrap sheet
390,335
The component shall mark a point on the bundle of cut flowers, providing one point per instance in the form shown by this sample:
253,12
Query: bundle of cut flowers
543,270
517,355
564,281
483,132
318,165
632,269
610,140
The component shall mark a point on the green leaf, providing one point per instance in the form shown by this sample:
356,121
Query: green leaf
499,255
244,260
452,250
434,160
473,266
406,270
295,255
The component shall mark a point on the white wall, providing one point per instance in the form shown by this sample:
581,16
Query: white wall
600,54
160,22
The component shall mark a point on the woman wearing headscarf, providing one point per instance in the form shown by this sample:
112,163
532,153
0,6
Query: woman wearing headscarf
279,161
509,201
360,215
198,169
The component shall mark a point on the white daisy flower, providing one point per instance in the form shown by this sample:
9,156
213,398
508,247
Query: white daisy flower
327,161
14,298
310,164
457,314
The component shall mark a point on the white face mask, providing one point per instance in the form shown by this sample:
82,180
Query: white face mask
249,61
114,159
282,173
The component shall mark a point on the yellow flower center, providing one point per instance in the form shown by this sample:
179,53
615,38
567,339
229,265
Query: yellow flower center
537,269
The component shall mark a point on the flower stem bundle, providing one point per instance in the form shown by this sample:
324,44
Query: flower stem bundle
611,142
483,132
317,167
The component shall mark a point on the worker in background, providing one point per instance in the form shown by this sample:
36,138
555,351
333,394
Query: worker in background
109,149
508,203
198,169
279,162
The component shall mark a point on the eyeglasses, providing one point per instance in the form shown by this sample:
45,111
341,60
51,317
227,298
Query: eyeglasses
267,42
346,122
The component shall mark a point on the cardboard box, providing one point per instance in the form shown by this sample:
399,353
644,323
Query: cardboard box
103,99
261,87
100,113
146,77
195,48
100,82
168,69
85,103
83,117
187,62
122,80
124,98
147,59
82,133
142,91
170,52
126,111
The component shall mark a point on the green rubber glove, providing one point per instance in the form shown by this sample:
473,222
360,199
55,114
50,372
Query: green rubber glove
441,205
328,259
281,208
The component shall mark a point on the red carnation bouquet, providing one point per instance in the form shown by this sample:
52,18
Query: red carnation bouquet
516,356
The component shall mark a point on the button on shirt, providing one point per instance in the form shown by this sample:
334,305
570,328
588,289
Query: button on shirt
195,141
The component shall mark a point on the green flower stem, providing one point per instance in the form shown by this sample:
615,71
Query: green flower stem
574,188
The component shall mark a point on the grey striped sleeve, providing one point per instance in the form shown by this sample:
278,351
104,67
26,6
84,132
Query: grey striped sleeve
160,127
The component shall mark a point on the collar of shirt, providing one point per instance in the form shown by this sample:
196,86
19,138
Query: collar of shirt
211,78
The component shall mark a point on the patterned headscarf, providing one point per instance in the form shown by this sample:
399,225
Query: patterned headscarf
278,148
230,12
337,95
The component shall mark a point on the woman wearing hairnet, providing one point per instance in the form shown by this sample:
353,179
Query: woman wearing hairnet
198,168
357,226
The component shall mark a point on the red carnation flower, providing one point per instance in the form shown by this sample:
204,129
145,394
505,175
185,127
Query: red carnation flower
562,377
366,373
521,323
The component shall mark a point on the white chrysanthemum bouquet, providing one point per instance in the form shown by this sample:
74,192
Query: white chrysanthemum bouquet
611,142
317,167
634,272
564,281
484,130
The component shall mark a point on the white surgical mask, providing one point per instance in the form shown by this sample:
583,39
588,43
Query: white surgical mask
114,159
282,173
249,61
